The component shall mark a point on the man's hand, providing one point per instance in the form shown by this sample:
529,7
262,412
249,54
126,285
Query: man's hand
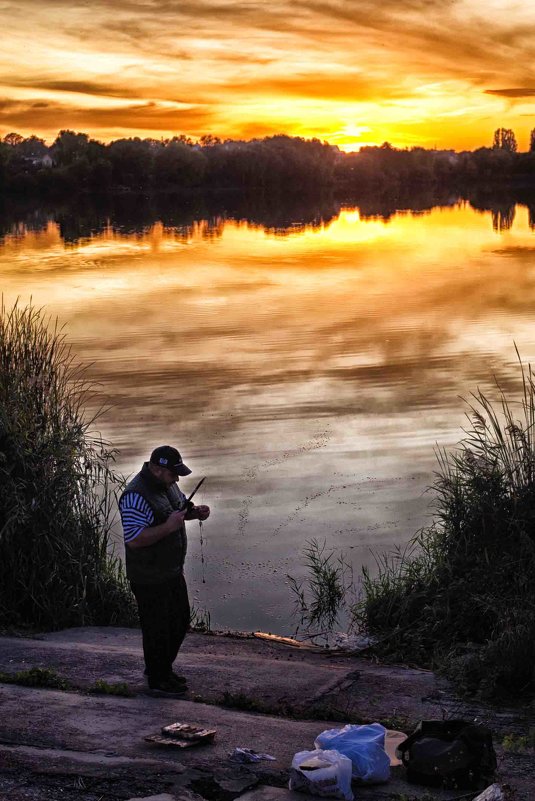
174,521
203,512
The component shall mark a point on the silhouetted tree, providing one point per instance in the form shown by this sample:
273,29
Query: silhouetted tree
532,141
132,161
69,146
504,139
207,140
178,164
186,140
32,148
272,165
13,139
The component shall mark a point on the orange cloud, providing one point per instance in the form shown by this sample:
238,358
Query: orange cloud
328,66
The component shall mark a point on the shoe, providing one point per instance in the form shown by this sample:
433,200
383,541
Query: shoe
180,681
172,677
166,689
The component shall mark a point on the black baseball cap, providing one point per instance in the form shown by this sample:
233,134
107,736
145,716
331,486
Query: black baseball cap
166,456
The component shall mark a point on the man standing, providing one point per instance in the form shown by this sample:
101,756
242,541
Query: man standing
153,511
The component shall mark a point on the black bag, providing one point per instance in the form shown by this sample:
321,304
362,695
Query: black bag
452,754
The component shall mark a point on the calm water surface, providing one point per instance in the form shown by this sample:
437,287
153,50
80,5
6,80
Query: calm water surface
308,372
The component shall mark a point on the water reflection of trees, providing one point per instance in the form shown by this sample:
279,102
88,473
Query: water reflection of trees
387,206
136,215
204,215
502,210
502,219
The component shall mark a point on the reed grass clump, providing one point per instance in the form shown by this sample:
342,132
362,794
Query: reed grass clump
320,597
462,595
56,487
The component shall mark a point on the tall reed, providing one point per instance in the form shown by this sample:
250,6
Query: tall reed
56,482
320,597
462,595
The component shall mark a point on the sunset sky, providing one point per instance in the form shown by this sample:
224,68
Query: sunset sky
351,72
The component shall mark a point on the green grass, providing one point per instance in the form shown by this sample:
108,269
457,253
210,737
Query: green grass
519,743
461,596
36,677
56,487
101,687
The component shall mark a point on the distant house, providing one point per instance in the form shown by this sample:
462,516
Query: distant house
39,161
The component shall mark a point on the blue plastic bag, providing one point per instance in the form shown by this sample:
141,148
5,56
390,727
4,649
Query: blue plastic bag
365,747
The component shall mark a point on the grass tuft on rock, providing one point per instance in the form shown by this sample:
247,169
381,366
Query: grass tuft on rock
36,677
120,688
461,597
56,487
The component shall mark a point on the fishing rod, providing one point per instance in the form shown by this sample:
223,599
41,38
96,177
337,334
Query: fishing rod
195,490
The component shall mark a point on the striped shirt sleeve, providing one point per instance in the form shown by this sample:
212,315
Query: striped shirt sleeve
136,515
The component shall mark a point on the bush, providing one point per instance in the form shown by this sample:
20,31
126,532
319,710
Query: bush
462,596
56,482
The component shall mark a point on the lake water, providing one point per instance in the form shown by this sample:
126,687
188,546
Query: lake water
308,370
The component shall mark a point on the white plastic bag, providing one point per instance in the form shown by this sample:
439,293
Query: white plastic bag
492,793
365,747
324,773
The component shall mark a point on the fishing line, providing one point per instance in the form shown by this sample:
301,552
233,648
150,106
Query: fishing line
202,552
200,530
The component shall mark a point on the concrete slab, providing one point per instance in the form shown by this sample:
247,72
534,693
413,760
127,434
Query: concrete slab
113,728
71,734
116,726
274,676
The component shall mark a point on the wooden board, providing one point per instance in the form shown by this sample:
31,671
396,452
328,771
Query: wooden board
187,731
276,638
182,735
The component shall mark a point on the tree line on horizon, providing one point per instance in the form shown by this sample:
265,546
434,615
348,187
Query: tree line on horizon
76,164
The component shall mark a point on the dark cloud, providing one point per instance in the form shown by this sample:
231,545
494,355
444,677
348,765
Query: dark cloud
526,91
95,89
142,116
82,88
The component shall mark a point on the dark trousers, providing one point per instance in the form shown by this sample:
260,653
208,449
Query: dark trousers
164,615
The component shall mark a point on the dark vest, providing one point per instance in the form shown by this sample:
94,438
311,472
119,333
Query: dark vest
164,560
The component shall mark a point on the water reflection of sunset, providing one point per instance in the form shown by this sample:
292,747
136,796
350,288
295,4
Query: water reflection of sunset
308,373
